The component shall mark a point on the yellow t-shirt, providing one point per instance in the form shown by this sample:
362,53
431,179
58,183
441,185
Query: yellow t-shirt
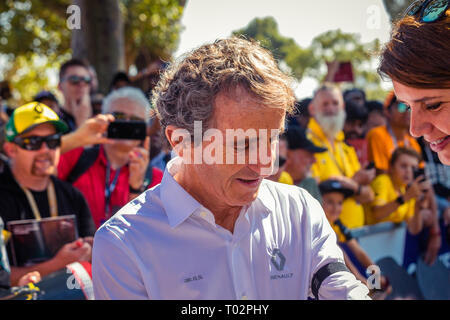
286,178
380,146
339,160
384,193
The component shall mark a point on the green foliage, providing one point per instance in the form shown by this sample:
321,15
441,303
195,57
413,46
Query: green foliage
265,30
330,46
34,31
153,26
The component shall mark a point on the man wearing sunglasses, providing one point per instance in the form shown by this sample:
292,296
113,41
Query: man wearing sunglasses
28,189
383,140
74,84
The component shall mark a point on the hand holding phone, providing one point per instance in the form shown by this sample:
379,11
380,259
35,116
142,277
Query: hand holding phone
129,130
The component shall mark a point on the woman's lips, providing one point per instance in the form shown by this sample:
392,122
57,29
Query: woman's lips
440,144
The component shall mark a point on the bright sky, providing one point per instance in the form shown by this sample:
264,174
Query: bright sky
302,20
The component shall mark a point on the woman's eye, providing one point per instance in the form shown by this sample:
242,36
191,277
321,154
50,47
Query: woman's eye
433,106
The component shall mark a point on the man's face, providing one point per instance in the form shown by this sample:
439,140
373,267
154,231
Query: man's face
403,169
327,103
328,109
299,163
128,109
354,129
236,184
36,163
71,90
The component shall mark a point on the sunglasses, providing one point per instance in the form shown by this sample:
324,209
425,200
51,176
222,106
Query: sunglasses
78,79
428,10
34,143
124,116
402,108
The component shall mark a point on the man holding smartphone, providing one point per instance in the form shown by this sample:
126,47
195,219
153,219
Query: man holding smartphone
119,170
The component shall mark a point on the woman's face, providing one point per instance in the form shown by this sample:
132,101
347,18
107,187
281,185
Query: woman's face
430,116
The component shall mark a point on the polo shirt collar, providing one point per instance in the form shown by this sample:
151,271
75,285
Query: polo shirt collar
177,202
266,197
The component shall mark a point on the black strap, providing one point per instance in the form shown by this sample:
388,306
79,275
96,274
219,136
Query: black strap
86,160
345,231
324,273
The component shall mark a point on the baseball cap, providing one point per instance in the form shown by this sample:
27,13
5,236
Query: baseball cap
296,139
29,116
331,185
45,95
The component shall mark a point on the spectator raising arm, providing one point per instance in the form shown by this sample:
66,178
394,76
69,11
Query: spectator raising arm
90,132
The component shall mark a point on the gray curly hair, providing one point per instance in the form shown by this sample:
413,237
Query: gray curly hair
188,88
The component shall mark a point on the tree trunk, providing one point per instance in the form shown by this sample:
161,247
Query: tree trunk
100,40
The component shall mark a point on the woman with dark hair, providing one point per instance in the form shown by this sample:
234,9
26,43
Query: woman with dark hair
417,59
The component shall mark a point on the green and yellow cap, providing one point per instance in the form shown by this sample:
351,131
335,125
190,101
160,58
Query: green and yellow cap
29,116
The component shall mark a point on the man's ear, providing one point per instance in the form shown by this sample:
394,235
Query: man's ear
179,139
10,149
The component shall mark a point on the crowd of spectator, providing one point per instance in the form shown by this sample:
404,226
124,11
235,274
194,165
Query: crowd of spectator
355,156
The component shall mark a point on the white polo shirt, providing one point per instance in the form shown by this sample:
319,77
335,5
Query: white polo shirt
166,245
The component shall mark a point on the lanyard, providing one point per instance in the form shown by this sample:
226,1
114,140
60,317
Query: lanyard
394,139
52,202
109,188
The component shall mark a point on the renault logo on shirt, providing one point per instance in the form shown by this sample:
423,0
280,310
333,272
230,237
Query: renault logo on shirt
277,259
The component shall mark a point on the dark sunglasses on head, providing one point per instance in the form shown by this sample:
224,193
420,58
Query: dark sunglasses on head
78,79
428,10
34,143
124,116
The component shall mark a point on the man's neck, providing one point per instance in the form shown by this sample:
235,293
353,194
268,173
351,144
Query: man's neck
116,158
224,215
29,181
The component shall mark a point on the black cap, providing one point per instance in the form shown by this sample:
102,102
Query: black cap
296,139
44,95
331,185
355,112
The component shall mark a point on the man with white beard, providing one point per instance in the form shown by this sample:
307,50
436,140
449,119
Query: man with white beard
340,161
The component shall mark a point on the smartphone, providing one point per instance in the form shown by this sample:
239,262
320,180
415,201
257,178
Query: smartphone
371,165
129,130
419,172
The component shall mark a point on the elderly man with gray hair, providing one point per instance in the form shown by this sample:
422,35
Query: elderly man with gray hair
112,174
215,228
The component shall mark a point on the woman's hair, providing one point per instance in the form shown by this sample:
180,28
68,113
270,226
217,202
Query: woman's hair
418,54
403,151
188,88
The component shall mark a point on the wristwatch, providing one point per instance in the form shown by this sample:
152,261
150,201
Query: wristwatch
400,200
140,190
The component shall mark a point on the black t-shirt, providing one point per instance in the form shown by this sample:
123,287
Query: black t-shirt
14,204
